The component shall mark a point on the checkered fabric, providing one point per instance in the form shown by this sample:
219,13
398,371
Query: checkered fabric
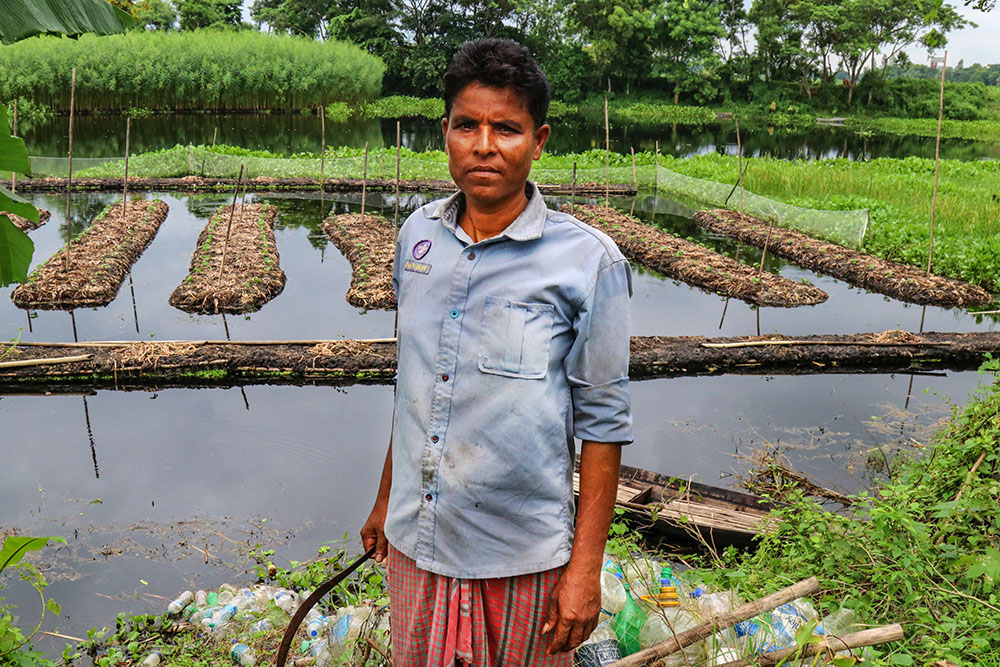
440,621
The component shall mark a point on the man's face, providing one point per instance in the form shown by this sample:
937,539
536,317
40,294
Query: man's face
491,140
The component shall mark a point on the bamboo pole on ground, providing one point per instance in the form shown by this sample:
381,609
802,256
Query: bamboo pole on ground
399,146
830,646
229,227
719,622
607,153
364,180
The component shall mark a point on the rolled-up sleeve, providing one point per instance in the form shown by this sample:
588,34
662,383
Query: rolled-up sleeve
597,363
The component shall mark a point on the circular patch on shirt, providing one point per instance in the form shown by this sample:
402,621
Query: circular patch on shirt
421,248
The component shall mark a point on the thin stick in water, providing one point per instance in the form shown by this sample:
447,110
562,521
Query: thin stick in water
135,311
656,165
364,180
72,318
607,153
635,178
399,146
90,436
28,313
937,161
229,227
322,149
225,324
739,151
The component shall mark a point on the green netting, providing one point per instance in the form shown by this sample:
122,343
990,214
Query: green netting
844,227
848,228
59,166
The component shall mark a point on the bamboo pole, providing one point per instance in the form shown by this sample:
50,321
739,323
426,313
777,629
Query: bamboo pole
13,175
635,178
229,227
830,645
69,175
364,180
322,150
739,151
45,362
866,343
656,166
937,160
607,151
573,190
128,134
399,146
718,622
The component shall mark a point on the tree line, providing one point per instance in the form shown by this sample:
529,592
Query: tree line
700,50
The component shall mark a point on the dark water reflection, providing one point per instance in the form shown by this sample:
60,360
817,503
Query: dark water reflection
293,467
104,136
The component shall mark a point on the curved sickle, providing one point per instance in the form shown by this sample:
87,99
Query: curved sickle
310,602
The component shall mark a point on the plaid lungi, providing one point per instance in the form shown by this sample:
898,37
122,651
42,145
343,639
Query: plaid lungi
440,621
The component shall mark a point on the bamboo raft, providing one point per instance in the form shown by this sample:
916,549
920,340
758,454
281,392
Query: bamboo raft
148,364
267,184
681,508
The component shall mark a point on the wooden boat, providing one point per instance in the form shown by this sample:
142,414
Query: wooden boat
684,509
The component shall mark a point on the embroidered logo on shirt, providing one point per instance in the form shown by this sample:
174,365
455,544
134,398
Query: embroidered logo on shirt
417,267
421,248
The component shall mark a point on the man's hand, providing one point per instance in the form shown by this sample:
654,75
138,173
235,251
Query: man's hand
573,609
373,532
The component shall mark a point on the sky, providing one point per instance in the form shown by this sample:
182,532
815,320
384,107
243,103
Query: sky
971,45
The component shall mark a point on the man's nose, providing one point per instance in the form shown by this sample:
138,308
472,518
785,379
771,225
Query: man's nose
484,140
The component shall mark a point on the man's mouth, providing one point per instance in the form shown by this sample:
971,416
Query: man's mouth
483,169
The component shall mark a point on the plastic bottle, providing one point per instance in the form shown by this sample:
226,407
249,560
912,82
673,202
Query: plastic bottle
177,606
242,655
226,596
628,622
263,625
640,574
153,659
198,616
667,597
600,649
839,623
200,598
285,601
612,594
724,655
315,627
663,625
221,617
212,599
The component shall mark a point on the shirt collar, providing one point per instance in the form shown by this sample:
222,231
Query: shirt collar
525,227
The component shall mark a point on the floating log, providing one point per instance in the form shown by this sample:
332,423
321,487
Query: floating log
26,225
88,272
368,242
234,268
223,364
268,184
899,281
695,264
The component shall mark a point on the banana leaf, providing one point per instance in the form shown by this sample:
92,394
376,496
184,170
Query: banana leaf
25,18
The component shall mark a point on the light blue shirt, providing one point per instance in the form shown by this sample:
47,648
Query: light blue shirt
507,349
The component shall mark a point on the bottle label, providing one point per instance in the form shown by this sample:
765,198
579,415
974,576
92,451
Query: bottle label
599,654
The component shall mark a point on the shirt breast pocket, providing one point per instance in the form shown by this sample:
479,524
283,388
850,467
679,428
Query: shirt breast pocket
515,338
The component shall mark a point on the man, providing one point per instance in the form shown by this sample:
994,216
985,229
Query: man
512,339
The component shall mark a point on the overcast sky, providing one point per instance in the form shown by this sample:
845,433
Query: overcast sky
973,45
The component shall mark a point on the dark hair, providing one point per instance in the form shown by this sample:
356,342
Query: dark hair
498,63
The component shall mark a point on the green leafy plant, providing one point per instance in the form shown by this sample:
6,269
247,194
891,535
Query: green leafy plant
12,638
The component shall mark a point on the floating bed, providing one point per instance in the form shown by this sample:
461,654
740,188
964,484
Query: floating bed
124,365
899,281
695,264
234,268
368,242
267,184
88,272
26,225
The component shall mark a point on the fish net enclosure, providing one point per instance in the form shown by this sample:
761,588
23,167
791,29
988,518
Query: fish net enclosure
847,228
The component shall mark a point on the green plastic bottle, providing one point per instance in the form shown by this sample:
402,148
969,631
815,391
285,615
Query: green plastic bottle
628,623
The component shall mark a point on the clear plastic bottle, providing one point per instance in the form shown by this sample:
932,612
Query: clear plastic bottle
177,606
612,594
600,649
663,625
839,623
225,597
628,622
212,599
200,598
263,625
153,659
640,574
242,655
316,626
285,601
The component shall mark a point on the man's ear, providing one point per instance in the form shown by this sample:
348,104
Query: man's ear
444,132
541,136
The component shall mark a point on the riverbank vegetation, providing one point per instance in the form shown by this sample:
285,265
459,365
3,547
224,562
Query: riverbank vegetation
237,71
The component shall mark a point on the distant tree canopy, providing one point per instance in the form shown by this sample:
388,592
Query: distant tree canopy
701,50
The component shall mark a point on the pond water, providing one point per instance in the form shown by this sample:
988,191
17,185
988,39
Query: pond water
104,136
162,491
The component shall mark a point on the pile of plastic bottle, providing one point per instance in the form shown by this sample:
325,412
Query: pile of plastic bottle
234,615
644,604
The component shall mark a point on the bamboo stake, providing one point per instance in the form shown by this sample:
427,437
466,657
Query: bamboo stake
573,190
739,150
718,622
607,152
870,637
635,178
937,160
364,180
128,132
69,176
128,343
13,175
322,150
656,165
72,318
229,227
215,134
30,327
399,146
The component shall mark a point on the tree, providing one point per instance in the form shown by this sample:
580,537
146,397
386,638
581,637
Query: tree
782,52
155,15
24,19
687,34
619,33
208,13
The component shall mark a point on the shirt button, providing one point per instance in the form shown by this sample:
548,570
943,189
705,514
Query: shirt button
434,438
429,497
453,313
444,378
472,255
